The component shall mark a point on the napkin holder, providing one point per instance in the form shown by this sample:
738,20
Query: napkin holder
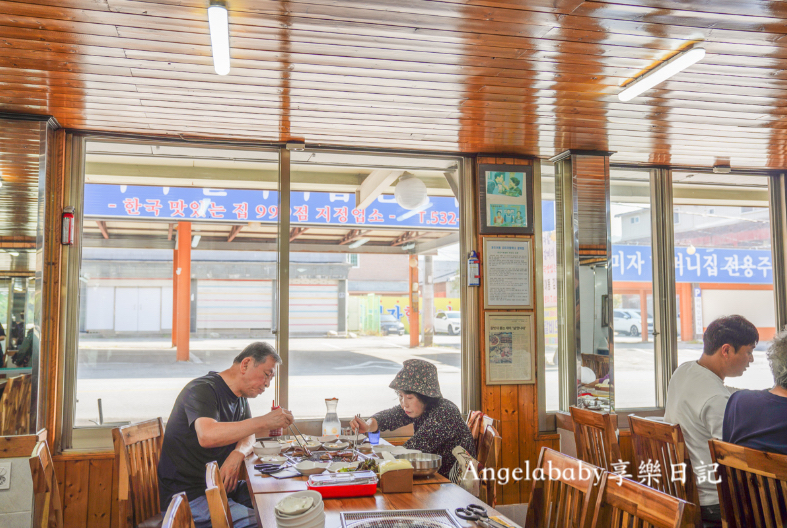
397,481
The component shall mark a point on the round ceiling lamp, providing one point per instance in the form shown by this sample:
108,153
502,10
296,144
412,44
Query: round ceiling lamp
410,192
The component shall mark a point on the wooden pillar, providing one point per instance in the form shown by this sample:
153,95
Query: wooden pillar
183,273
643,314
415,328
175,296
686,299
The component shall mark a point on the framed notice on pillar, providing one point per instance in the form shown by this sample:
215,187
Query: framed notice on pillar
507,273
510,348
505,194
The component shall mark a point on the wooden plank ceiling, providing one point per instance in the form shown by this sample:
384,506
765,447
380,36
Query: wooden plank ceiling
500,76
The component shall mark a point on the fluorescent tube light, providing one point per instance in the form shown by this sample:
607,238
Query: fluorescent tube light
358,243
195,240
678,63
219,36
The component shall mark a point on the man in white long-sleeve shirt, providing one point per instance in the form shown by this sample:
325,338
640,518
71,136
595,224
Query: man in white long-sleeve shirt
697,398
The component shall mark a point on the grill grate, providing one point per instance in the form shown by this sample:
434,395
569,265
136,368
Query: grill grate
399,519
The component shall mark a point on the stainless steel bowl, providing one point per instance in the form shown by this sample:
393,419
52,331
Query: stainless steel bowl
424,464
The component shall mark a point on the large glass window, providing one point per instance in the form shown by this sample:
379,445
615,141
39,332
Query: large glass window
372,282
176,240
179,273
632,289
723,262
549,278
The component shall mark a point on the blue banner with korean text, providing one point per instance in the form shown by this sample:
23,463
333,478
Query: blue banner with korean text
241,205
740,266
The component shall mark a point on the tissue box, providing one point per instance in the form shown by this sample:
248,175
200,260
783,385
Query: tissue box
397,481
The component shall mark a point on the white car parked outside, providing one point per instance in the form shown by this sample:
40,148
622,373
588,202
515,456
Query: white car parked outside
449,322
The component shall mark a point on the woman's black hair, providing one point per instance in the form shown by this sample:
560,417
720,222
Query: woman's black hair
428,401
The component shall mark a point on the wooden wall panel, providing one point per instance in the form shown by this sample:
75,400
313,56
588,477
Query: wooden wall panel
88,490
76,484
516,406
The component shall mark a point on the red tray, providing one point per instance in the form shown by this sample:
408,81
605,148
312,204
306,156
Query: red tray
339,492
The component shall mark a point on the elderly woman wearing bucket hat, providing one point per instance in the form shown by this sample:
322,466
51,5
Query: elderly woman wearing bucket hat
437,422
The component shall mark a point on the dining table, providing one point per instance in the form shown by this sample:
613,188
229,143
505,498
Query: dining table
434,492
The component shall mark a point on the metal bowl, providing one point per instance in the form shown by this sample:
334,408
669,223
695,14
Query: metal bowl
424,464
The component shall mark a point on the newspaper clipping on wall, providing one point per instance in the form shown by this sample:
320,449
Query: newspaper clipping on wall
510,349
507,273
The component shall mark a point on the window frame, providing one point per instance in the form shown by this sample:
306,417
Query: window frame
665,313
99,437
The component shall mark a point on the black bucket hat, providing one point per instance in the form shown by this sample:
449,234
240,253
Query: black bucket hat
418,376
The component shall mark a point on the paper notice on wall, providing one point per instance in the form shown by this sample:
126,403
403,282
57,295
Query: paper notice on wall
507,273
509,348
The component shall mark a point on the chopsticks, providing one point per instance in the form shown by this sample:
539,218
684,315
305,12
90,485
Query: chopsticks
305,449
358,430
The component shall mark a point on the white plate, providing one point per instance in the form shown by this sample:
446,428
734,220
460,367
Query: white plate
336,446
293,505
336,466
312,444
329,438
272,459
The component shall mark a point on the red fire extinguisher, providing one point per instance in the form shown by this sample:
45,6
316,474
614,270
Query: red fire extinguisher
68,226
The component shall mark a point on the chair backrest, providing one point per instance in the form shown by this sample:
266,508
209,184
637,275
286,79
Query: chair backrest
753,487
566,495
623,503
137,452
15,406
220,515
47,509
663,443
596,438
477,422
178,514
488,453
597,363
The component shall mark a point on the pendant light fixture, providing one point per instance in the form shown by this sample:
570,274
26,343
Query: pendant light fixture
219,36
678,63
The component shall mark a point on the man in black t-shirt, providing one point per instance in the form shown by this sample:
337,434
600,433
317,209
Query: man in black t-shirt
211,421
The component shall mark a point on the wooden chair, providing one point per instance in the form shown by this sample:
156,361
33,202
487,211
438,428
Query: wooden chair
623,503
47,509
178,514
562,501
663,443
477,422
597,363
220,515
489,457
137,452
596,438
15,406
753,487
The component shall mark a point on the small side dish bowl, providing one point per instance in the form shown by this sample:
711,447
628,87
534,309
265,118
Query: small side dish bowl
267,448
307,467
336,446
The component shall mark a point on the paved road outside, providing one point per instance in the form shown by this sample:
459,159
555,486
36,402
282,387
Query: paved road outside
139,378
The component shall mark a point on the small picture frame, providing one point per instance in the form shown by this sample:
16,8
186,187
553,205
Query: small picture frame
505,199
510,348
